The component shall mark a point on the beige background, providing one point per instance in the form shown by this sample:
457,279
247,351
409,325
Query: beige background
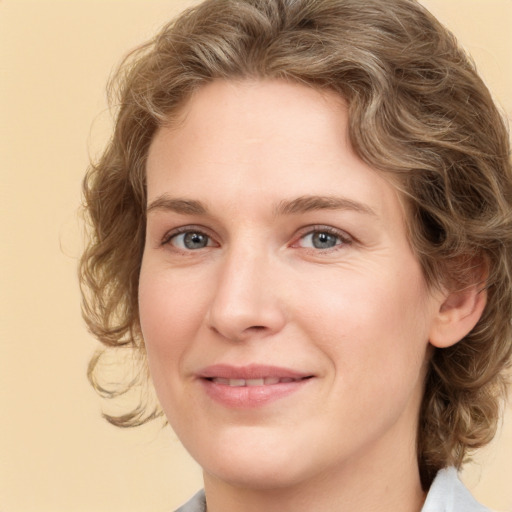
56,453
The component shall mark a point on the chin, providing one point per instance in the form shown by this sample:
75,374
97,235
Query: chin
256,462
258,476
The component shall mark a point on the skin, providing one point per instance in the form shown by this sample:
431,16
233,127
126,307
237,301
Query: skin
355,314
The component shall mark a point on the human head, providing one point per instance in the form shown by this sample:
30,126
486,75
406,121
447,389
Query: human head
418,113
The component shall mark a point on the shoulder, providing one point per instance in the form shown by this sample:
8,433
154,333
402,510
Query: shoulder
448,494
196,504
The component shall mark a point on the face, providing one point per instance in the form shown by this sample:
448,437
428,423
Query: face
282,308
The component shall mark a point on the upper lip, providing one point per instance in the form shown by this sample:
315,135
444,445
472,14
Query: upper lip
251,371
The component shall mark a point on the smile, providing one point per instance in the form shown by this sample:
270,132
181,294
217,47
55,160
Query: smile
267,381
252,386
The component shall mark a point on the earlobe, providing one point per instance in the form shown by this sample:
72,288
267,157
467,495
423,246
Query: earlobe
457,315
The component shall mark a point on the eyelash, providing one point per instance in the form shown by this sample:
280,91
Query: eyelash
343,239
167,240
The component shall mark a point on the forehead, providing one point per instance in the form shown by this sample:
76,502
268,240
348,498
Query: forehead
243,142
234,116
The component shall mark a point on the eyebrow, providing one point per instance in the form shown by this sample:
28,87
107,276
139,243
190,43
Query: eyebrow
302,204
183,206
306,204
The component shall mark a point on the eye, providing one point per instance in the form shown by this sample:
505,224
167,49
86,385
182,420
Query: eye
323,239
190,240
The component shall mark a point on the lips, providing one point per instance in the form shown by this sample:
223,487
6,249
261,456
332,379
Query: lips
266,381
250,386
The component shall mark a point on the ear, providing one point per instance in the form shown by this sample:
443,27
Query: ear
458,313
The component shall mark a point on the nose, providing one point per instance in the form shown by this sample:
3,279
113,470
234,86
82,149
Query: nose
246,303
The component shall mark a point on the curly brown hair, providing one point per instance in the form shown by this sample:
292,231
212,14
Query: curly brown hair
417,110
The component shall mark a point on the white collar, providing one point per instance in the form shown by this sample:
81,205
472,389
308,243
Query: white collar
448,494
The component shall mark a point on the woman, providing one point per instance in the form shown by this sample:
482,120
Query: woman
302,226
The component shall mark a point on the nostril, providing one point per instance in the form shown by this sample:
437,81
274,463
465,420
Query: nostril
255,329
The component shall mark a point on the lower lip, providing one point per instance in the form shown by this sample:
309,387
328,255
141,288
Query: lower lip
249,397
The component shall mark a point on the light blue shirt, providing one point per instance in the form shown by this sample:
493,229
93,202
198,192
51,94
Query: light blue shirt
447,494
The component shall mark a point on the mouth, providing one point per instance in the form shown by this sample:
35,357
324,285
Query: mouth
250,386
265,381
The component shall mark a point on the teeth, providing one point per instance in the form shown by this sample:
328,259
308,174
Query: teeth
235,383
267,381
254,382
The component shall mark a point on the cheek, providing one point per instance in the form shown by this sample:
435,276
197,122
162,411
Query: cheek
167,326
156,311
165,320
169,310
369,320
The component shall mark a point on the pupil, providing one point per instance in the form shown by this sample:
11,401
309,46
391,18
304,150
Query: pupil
195,241
324,240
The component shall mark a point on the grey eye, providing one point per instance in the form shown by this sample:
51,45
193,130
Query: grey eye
322,240
191,240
